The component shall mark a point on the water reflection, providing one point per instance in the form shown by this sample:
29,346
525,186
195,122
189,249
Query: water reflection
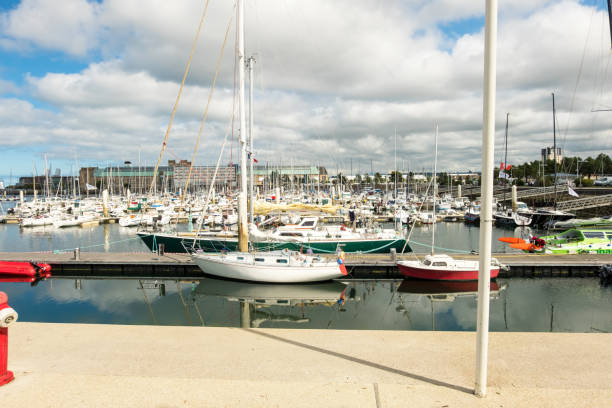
563,304
267,303
444,292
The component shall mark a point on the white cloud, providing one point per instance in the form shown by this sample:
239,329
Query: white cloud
333,79
70,26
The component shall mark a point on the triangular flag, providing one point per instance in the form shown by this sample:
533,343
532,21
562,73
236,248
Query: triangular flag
571,192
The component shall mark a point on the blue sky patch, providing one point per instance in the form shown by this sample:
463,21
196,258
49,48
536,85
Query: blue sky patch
458,28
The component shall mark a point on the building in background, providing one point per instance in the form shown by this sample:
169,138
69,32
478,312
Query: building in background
202,177
548,153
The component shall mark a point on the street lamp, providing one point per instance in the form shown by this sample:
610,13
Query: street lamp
577,167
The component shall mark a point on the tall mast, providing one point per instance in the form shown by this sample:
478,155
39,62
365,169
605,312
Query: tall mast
506,155
33,182
46,179
554,149
433,230
395,168
243,234
251,185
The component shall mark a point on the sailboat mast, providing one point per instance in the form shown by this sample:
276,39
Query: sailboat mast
243,237
555,149
395,168
251,185
506,156
46,179
433,230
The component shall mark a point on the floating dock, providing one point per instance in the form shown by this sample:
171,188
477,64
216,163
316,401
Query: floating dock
361,266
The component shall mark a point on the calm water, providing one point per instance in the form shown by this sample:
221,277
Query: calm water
562,304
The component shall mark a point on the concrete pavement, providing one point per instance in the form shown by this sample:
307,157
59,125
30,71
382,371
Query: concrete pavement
78,365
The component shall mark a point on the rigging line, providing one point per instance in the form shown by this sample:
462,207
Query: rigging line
148,303
205,116
605,75
178,98
212,183
586,41
418,212
180,293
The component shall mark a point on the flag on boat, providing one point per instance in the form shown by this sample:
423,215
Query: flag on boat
252,157
571,191
503,175
90,187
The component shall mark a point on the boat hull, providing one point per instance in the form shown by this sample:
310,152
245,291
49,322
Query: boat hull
216,266
416,272
177,244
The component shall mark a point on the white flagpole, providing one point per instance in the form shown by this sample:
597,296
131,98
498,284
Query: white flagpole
486,185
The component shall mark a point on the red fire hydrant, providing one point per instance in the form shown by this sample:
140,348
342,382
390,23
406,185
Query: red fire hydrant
8,316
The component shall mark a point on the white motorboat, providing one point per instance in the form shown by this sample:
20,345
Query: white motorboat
427,218
73,221
37,221
134,220
273,267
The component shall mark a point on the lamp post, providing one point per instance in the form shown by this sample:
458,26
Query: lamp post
577,167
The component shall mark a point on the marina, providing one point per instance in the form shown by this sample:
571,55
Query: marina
308,208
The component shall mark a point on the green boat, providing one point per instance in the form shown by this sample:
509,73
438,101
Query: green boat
183,242
578,241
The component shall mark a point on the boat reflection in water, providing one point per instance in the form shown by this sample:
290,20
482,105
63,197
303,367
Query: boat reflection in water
445,291
257,300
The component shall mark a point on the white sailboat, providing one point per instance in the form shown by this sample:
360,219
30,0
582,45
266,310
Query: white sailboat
277,267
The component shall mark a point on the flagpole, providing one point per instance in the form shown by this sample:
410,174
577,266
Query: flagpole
486,178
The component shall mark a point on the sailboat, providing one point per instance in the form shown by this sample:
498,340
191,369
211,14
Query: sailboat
441,266
317,239
275,267
508,216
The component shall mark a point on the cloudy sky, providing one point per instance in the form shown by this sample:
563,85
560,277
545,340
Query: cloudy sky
94,82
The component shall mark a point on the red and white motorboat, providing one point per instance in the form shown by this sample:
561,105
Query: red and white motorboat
443,267
12,269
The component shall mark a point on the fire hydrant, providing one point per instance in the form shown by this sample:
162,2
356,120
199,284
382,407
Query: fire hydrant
8,316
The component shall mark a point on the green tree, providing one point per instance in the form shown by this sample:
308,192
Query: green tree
377,178
400,179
